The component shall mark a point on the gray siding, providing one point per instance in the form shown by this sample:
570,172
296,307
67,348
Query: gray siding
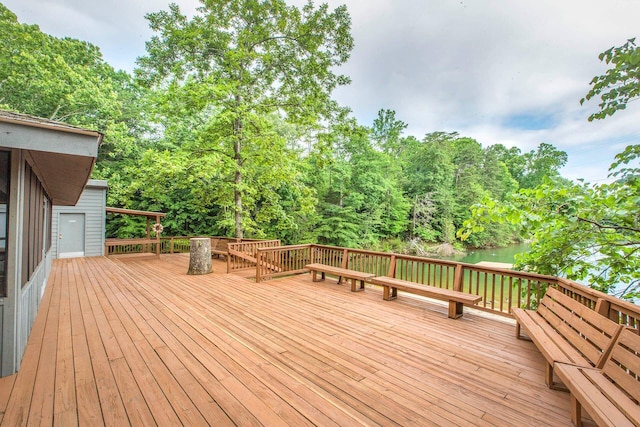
92,203
20,306
30,299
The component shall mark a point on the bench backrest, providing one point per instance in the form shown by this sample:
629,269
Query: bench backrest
623,365
589,332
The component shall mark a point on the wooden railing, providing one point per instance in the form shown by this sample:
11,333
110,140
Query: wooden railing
281,261
168,245
618,310
242,255
131,246
175,245
500,289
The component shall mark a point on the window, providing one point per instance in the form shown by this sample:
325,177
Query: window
4,218
35,219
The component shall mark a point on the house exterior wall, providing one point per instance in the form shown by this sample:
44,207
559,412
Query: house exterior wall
50,162
92,204
29,260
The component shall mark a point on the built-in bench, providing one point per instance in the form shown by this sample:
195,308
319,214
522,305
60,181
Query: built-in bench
565,331
456,299
611,395
357,278
219,247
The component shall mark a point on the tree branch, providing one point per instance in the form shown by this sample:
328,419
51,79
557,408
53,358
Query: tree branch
609,227
283,37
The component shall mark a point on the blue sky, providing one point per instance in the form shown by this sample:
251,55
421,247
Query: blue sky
509,72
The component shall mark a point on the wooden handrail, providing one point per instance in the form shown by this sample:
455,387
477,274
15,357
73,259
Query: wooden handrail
501,289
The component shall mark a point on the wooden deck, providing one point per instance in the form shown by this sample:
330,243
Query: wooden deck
135,341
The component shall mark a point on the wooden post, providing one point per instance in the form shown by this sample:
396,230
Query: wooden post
345,263
392,267
602,307
158,237
200,256
345,259
258,265
457,278
312,254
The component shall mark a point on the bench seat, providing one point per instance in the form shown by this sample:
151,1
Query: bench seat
566,331
219,247
356,277
610,395
456,299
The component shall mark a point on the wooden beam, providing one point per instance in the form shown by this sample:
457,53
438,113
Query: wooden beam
123,211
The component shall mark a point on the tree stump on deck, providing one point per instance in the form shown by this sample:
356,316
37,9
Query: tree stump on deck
200,256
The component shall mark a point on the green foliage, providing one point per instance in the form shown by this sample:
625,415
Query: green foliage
620,84
544,162
387,131
234,68
67,80
579,231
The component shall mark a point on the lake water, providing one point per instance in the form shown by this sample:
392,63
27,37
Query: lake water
494,255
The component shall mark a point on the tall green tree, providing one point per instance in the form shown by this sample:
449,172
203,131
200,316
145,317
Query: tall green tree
387,131
235,63
543,162
430,171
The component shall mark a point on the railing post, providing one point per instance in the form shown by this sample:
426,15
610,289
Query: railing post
603,307
345,258
457,278
171,245
258,265
392,267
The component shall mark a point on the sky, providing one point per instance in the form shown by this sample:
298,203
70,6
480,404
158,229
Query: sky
500,71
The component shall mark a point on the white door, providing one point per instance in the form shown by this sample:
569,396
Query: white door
71,235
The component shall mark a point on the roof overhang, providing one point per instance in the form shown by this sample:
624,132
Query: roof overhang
62,156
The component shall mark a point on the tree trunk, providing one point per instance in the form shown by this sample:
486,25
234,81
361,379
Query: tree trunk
238,205
237,148
200,256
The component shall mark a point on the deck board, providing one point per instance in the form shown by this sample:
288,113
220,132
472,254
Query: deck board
136,341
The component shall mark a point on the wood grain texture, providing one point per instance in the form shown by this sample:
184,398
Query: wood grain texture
139,342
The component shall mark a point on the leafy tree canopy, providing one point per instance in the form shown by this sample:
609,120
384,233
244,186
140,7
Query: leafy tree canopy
231,69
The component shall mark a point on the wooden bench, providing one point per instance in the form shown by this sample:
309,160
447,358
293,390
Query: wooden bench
565,331
219,247
609,395
352,275
456,299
